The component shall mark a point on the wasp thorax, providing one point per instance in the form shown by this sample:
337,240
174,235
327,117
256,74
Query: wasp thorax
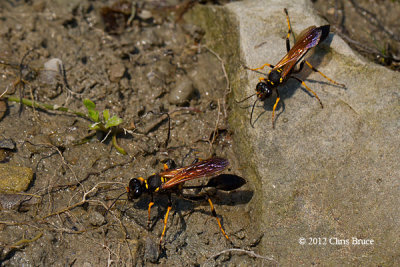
136,188
263,91
154,182
275,77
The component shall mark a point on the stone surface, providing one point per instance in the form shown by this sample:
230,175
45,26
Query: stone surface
14,178
330,173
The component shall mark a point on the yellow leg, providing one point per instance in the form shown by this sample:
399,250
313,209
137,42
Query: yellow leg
311,91
149,210
165,224
323,75
169,164
273,109
263,66
215,215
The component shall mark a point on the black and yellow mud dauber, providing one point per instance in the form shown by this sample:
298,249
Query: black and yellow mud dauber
172,181
284,69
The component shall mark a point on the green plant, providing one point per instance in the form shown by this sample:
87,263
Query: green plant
106,124
99,124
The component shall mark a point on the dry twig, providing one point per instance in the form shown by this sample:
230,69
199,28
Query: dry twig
248,252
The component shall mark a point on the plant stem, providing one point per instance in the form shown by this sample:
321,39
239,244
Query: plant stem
44,106
115,144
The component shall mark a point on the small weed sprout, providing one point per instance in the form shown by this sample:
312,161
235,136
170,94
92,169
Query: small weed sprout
106,124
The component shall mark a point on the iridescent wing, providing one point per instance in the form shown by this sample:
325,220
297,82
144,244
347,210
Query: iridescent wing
202,169
307,39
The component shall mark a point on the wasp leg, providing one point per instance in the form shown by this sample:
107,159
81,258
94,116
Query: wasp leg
289,31
165,167
273,109
323,75
151,203
202,197
166,218
263,66
309,89
214,214
299,69
169,165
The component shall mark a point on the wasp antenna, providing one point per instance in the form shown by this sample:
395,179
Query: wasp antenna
115,201
257,71
245,98
252,110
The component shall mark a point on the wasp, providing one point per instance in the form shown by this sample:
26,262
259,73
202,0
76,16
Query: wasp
284,69
172,181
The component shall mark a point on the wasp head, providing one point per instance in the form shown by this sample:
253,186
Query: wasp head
264,90
136,188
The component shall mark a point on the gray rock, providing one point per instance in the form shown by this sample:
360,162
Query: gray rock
151,252
7,144
330,173
116,72
182,92
12,201
96,219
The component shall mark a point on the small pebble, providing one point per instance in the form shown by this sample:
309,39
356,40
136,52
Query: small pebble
150,38
96,219
53,68
7,144
151,250
182,92
14,178
116,72
145,14
11,201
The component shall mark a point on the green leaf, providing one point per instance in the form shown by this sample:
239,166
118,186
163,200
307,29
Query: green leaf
89,104
106,114
113,121
94,115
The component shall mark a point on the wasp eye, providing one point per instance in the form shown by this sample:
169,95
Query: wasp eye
135,189
263,91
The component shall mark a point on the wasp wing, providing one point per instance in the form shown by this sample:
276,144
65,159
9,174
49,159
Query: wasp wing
307,39
202,169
